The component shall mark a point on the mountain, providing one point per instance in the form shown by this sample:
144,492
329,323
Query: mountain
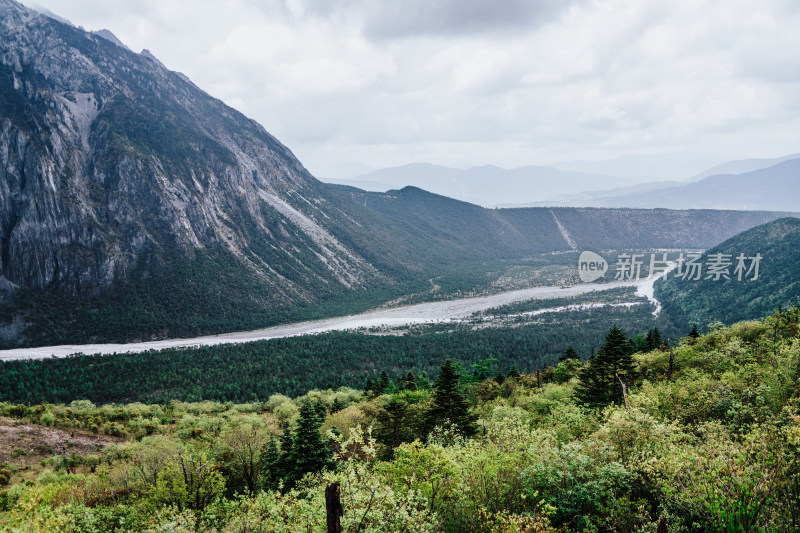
653,167
704,301
775,188
467,230
134,205
126,186
594,198
124,161
487,185
740,166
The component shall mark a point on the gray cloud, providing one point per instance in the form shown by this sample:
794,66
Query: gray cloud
472,82
383,21
388,20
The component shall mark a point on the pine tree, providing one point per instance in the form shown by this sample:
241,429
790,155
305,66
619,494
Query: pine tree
408,382
599,384
423,382
283,467
648,341
653,341
337,405
270,471
658,340
321,411
383,383
570,353
450,407
309,452
500,378
514,372
593,389
392,427
694,334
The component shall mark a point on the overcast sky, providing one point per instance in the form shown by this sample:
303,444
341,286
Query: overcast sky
469,82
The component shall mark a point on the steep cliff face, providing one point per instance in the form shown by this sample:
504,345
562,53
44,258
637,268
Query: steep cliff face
110,162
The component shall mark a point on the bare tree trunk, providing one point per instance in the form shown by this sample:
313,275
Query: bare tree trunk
671,362
624,390
538,380
333,506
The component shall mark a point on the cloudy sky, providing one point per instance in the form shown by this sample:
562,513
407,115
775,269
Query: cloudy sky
351,84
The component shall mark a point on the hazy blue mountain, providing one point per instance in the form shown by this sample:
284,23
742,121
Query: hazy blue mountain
775,188
740,166
594,198
655,167
490,185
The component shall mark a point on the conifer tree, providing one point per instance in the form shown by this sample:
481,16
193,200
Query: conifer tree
694,334
594,386
283,467
337,405
423,382
648,341
392,427
270,470
309,452
570,353
658,340
408,382
450,407
653,341
383,384
514,372
599,384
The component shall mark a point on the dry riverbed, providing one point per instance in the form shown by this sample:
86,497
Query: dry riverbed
423,313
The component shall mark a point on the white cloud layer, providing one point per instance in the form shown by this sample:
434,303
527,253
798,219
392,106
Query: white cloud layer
470,82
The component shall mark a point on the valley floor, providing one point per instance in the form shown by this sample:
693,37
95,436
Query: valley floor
454,310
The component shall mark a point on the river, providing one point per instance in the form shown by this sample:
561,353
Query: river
431,312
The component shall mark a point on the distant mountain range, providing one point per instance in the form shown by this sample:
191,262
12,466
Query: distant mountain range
774,188
486,185
740,166
567,185
646,167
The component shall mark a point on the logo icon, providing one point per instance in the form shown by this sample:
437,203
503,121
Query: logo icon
591,266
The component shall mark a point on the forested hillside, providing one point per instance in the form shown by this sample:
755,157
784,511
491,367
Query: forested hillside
739,295
705,436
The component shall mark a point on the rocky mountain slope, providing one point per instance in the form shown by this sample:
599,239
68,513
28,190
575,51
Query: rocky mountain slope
111,162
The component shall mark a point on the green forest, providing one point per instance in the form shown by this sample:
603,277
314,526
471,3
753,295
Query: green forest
697,435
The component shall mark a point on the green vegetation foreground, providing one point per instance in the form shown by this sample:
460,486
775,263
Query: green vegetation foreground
705,437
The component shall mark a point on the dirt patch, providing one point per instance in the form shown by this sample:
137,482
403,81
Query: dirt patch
25,443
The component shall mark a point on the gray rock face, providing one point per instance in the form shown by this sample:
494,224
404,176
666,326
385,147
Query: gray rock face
107,157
